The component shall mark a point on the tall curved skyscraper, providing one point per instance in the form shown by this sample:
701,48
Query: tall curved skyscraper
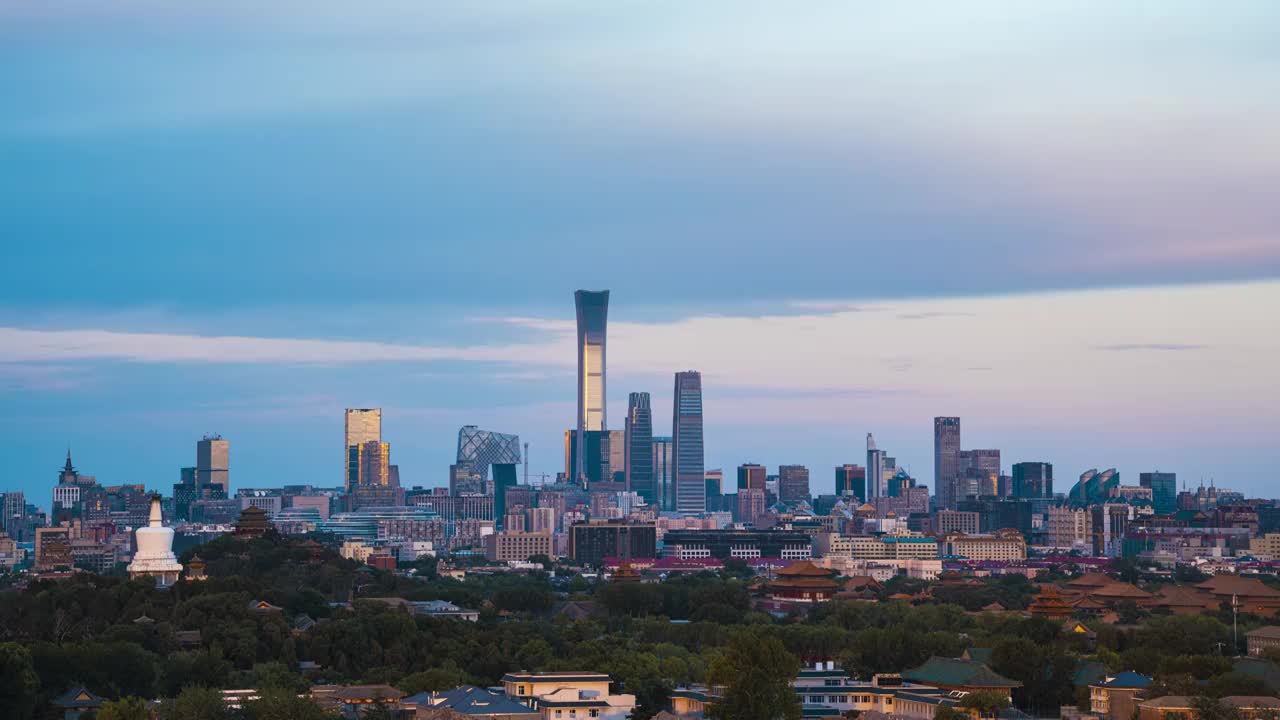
593,317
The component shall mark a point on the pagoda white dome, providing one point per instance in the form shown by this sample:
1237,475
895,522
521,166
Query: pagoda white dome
155,550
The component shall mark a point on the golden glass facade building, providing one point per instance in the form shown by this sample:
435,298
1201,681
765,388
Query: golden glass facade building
368,464
593,315
362,425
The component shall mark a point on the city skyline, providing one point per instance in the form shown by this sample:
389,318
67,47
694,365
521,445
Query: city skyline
1082,267
431,476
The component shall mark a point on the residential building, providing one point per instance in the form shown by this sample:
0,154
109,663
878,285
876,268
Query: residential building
1265,547
952,521
686,425
793,483
1068,528
362,425
464,480
1115,696
568,695
1003,546
53,548
518,546
638,448
946,460
541,519
751,505
592,309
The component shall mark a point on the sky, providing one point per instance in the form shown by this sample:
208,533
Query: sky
1057,220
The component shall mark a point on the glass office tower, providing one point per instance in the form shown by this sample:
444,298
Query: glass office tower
664,486
593,315
639,447
686,425
946,461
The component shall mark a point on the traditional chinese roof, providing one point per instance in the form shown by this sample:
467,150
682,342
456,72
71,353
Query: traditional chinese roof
977,654
804,568
1171,596
253,521
951,672
1269,632
1090,580
804,582
1075,627
1050,603
470,701
1120,591
1126,680
856,583
76,698
1236,585
1087,603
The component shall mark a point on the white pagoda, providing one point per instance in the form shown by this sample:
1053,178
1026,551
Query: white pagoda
155,557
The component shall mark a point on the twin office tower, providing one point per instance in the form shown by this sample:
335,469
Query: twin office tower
665,471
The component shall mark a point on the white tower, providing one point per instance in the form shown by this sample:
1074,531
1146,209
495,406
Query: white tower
155,556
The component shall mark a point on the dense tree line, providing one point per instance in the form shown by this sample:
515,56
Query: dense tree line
120,638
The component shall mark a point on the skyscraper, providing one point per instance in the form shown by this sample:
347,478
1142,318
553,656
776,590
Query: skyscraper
1164,490
484,448
978,473
369,464
851,480
946,460
617,457
793,483
639,447
1033,480
664,486
751,475
213,459
362,425
875,470
593,315
686,428
714,482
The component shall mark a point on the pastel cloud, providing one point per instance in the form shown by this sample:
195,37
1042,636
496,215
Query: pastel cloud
904,352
